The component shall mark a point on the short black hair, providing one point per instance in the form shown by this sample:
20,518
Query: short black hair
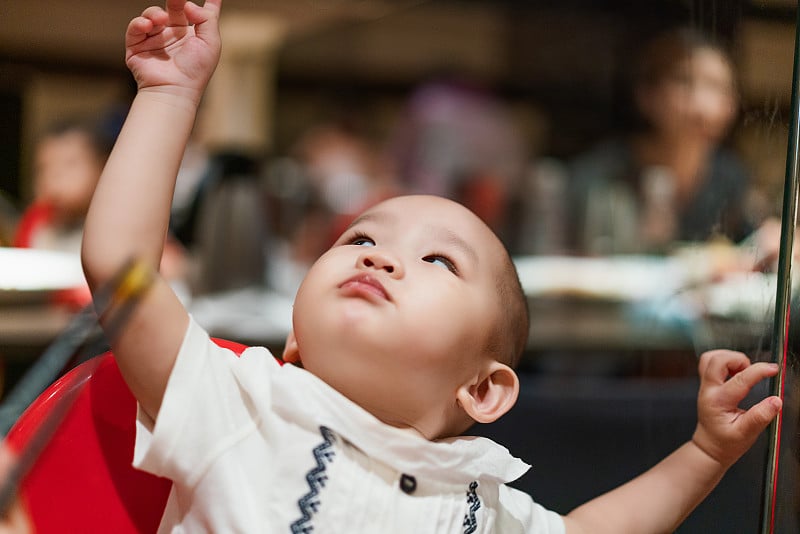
509,335
101,130
659,56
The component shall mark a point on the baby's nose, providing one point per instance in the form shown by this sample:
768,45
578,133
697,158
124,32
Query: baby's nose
381,261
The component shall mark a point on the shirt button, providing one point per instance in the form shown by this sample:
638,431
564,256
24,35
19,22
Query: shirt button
408,484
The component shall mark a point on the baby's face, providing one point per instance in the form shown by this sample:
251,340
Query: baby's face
397,313
67,169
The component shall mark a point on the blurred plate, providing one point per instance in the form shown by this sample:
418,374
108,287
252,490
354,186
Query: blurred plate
610,279
30,275
746,296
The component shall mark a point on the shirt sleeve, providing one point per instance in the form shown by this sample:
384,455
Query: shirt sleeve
207,406
520,513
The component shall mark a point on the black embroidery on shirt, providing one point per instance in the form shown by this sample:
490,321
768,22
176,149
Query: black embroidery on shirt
316,478
470,521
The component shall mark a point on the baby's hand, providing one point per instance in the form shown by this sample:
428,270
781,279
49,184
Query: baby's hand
176,49
725,431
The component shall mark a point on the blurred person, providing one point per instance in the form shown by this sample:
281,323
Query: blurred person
69,157
672,179
68,160
458,141
344,173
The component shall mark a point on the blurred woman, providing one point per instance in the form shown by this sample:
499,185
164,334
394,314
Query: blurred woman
671,179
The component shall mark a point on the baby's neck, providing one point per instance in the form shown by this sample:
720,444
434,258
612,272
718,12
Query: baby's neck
393,420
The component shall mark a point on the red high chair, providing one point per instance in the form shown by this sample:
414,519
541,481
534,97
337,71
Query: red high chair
83,481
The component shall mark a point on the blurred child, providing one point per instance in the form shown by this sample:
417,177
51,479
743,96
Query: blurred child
345,174
68,160
405,333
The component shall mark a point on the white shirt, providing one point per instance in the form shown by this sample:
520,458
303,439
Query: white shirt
255,447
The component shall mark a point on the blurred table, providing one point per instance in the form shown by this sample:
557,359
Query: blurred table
29,281
580,324
640,315
26,330
622,305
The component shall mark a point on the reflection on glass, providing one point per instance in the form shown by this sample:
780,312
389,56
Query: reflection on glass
669,177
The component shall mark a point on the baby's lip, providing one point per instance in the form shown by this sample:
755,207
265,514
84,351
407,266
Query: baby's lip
366,283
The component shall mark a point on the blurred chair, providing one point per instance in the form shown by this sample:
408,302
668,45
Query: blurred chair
30,222
84,481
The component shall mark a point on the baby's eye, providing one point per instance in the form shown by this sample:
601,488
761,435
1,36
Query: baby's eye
362,241
441,261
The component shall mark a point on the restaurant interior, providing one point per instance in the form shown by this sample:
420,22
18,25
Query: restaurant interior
321,107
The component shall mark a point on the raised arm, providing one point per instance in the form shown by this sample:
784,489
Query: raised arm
172,54
661,498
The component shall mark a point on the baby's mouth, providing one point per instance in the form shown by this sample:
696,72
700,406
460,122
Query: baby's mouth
364,283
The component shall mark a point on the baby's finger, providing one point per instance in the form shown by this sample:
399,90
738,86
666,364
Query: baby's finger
158,16
717,365
754,421
214,5
198,16
145,24
175,8
741,383
138,27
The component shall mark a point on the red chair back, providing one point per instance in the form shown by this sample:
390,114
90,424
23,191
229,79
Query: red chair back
35,217
83,481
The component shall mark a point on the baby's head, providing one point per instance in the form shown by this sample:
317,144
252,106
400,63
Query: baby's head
69,159
416,313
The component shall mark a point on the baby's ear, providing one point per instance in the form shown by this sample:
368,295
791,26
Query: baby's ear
492,396
291,352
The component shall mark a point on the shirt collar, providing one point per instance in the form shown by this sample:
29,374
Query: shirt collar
460,459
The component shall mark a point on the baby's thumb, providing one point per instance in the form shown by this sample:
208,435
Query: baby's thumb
200,16
759,416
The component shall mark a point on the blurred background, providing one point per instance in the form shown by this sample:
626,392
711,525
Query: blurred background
558,68
631,155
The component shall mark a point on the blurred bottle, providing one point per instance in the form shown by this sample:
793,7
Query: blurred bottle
658,224
611,221
232,227
544,190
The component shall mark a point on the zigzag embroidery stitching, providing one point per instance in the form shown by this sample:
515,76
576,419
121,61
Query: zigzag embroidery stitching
470,521
316,478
